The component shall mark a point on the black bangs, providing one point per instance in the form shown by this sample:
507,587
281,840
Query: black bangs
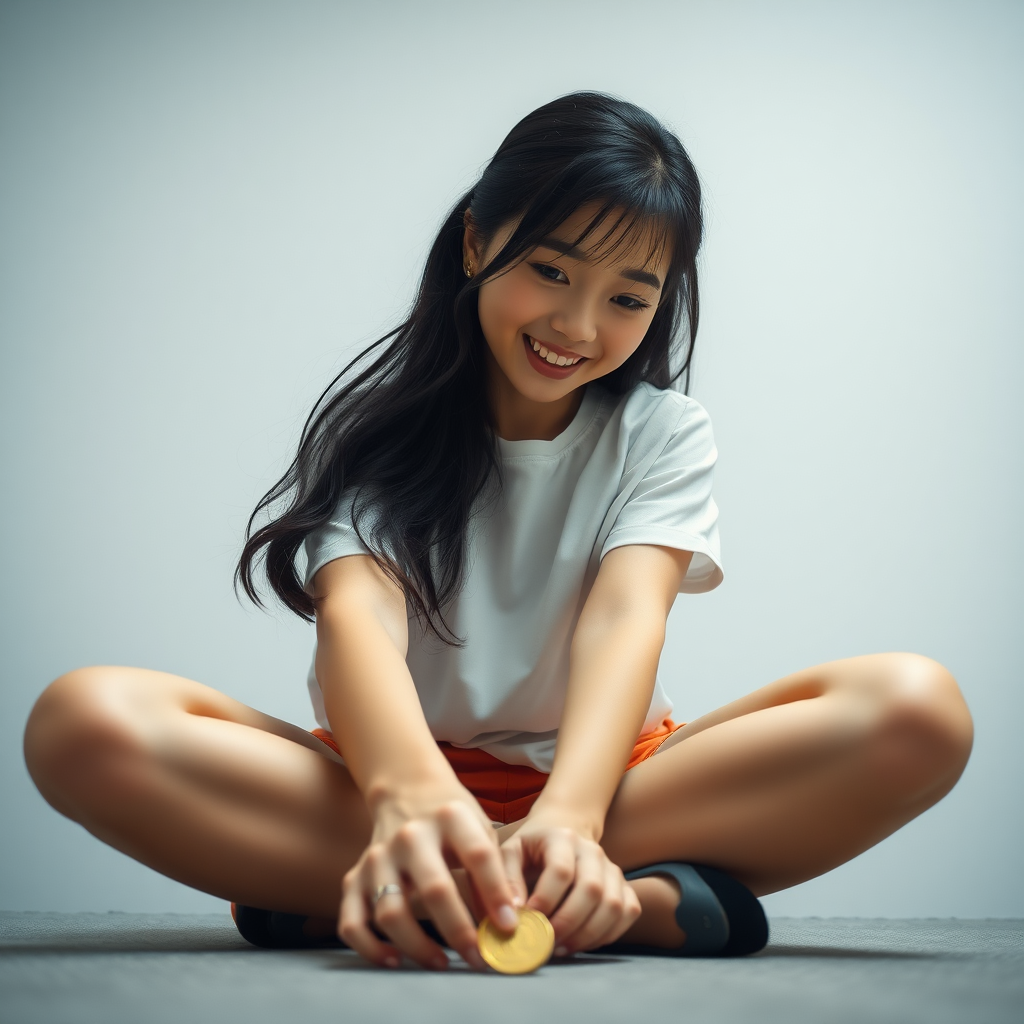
641,241
405,430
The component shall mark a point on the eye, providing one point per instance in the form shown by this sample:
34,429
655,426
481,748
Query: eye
548,272
633,305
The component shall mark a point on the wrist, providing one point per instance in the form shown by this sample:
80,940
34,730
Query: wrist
404,792
583,820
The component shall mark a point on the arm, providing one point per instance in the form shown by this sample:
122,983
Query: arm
369,696
613,661
612,665
423,817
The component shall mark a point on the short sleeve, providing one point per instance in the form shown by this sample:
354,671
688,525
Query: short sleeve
671,504
335,539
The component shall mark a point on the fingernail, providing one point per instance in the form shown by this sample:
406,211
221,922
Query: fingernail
507,918
561,951
391,961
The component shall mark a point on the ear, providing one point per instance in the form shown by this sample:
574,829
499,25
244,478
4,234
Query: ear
472,246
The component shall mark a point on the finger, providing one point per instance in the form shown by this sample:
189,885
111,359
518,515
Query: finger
586,895
465,886
392,913
393,916
617,910
558,855
354,925
476,849
419,856
631,914
512,856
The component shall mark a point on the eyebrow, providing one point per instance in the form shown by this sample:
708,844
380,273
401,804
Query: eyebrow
574,252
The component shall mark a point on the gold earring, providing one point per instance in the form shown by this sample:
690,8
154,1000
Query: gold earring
467,266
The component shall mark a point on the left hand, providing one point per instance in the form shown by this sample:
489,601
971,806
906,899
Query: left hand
577,887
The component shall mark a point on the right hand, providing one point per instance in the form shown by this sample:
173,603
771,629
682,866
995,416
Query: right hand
418,837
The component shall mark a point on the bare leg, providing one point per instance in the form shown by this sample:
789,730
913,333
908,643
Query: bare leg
199,786
792,780
777,787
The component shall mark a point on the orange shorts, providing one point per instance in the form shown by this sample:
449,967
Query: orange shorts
506,792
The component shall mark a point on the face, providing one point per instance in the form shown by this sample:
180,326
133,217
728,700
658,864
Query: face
559,318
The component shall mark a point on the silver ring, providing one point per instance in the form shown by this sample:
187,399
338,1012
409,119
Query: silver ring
391,889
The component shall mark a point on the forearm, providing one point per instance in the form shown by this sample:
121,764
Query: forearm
612,668
375,713
372,706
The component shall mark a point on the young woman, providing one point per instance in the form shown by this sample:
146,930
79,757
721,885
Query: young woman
489,521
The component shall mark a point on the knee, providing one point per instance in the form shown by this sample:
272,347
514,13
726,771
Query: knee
77,728
923,732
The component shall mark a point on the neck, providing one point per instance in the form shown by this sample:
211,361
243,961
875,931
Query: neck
518,418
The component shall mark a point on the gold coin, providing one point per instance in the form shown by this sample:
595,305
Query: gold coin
526,949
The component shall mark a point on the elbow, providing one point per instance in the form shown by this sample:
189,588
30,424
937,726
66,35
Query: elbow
641,630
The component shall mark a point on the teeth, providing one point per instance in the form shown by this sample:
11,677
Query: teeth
551,357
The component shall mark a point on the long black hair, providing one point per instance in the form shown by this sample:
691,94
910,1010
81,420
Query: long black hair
411,435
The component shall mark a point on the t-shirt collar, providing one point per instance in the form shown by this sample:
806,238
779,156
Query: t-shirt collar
588,407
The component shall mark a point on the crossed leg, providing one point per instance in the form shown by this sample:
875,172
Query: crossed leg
198,786
800,776
792,780
775,788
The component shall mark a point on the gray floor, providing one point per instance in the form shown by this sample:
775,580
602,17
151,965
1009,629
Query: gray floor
58,968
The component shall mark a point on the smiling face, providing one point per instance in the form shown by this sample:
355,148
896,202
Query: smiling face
560,318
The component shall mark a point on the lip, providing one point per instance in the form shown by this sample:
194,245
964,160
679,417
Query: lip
546,368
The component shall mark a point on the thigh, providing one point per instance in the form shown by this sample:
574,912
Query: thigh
198,786
135,704
798,776
868,684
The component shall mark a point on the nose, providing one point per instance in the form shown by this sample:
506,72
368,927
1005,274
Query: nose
575,319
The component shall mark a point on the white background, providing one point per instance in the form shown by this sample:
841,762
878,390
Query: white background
205,207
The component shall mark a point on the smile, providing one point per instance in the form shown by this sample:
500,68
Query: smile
552,357
550,364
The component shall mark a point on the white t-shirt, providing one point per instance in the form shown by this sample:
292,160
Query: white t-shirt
629,469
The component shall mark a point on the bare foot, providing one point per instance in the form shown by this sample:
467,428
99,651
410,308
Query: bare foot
659,896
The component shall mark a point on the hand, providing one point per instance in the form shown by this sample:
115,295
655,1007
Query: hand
595,904
418,837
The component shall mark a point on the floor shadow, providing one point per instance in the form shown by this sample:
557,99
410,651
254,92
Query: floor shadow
832,953
346,960
587,959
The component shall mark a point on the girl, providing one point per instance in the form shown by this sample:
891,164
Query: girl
496,514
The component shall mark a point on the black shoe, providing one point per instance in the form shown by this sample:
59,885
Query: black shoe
273,929
721,917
